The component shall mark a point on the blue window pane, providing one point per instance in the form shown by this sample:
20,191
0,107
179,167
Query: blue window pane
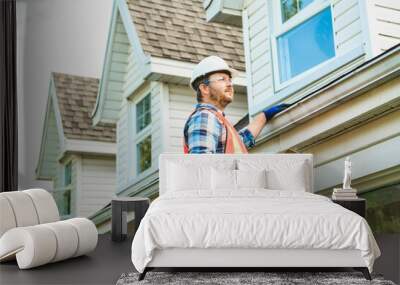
306,45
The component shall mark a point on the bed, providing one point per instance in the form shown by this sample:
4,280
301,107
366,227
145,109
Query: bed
254,210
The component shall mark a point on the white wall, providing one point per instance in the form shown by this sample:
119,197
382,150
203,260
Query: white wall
53,35
96,184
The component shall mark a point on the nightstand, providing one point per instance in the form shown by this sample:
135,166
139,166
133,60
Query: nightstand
121,207
358,206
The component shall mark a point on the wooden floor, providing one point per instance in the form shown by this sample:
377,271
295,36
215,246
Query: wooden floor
102,266
111,259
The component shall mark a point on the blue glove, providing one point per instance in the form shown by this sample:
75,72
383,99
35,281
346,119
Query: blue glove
272,111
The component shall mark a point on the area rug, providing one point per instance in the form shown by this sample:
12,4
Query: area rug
243,278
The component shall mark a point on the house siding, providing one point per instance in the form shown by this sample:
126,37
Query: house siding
96,185
386,24
257,31
181,103
52,146
134,75
122,148
347,25
119,62
156,124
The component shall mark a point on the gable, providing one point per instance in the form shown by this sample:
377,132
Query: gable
121,69
50,147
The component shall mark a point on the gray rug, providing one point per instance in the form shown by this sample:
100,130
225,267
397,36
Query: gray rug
242,278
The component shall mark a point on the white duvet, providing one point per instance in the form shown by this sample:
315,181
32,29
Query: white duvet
250,219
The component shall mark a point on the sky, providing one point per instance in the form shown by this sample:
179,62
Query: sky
67,36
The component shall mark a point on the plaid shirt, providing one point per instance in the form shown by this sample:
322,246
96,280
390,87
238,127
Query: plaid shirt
204,133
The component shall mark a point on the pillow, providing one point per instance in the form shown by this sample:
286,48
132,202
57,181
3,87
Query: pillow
223,179
194,173
281,174
251,178
294,179
181,177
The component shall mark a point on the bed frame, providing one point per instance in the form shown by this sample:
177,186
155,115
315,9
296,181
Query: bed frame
240,259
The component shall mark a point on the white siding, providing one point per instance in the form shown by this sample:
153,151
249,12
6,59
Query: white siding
97,184
117,68
122,148
386,24
181,103
347,25
52,146
156,124
134,75
259,62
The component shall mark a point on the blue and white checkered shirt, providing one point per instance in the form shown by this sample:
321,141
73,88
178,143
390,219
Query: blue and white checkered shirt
204,133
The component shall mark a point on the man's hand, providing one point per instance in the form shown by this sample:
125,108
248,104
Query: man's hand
261,119
272,111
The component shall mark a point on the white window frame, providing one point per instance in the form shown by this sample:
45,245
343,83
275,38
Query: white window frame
136,137
143,115
280,28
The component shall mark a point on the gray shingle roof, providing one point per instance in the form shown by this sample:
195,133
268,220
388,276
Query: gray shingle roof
177,29
76,96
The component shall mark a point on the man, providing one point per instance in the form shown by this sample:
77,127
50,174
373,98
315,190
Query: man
207,130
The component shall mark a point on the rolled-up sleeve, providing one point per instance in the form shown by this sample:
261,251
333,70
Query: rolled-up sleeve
247,138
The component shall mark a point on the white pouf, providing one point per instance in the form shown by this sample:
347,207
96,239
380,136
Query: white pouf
31,233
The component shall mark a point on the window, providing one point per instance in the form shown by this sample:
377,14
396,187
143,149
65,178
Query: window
142,137
143,113
143,150
67,174
289,8
63,201
62,195
303,42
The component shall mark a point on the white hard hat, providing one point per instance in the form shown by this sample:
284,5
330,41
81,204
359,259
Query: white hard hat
210,64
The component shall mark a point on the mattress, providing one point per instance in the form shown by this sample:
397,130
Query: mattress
251,219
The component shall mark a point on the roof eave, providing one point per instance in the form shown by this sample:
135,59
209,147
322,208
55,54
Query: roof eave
365,77
89,147
175,71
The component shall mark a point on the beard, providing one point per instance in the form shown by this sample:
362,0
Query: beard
221,97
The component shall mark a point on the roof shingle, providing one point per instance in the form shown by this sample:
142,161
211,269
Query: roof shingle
178,30
76,96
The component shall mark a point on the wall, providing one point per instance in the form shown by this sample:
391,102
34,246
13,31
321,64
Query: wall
96,183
